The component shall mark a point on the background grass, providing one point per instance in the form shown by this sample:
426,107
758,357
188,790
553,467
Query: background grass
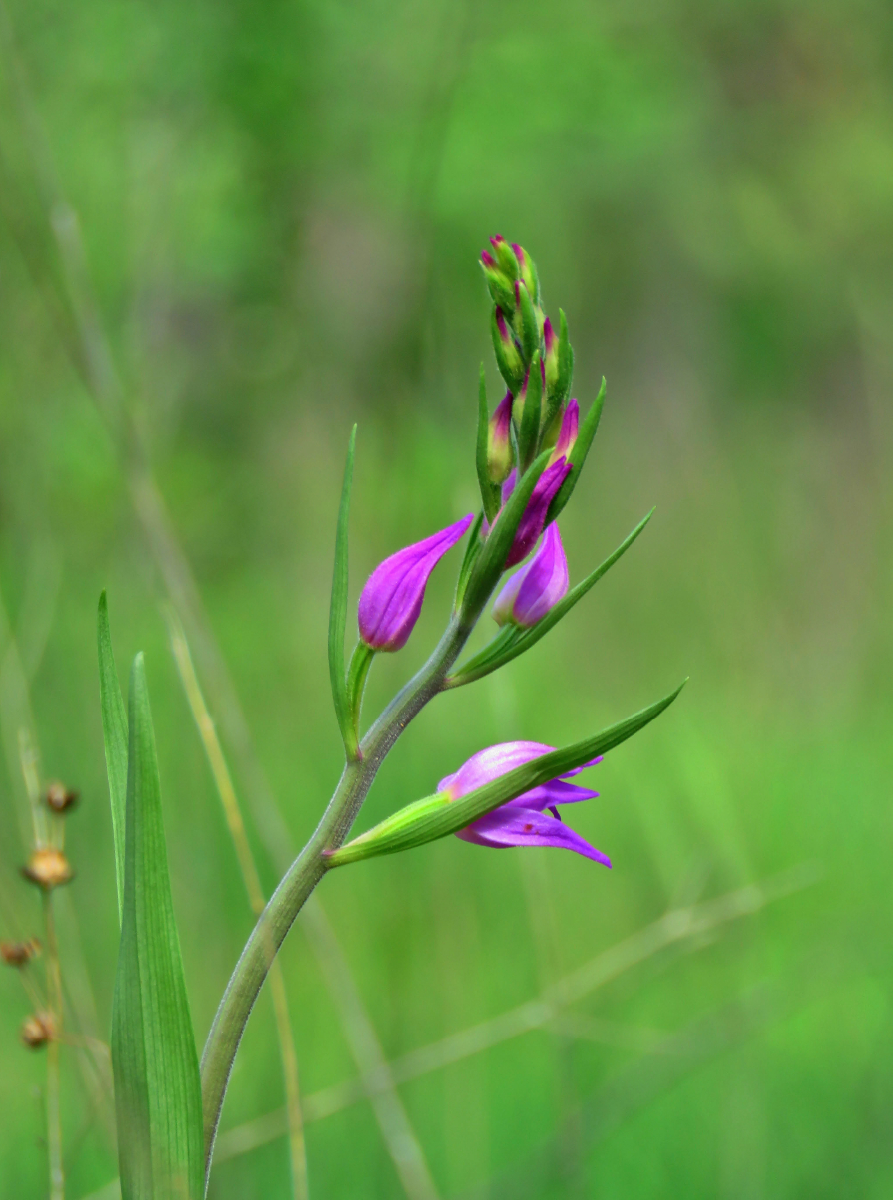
281,207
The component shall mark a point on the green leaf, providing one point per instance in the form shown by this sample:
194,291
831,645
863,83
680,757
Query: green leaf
510,642
114,730
491,561
588,429
472,553
157,1089
435,817
489,489
338,613
532,413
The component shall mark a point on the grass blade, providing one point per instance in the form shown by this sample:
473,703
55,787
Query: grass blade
114,731
157,1088
338,612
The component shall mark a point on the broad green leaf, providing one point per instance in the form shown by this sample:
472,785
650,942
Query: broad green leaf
577,457
491,561
435,816
338,612
489,490
510,642
157,1089
114,730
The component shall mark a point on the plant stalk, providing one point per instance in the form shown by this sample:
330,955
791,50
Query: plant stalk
306,872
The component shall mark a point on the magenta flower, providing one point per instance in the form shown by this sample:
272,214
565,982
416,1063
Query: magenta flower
391,601
525,820
531,524
550,361
534,591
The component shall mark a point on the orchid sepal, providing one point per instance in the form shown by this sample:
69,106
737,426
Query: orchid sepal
526,322
436,816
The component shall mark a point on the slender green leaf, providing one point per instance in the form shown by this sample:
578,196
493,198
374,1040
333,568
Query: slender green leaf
588,430
157,1088
531,414
511,642
491,561
114,730
432,818
489,489
338,612
472,553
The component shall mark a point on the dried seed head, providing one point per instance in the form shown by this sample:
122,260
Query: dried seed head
37,1030
19,954
48,868
60,798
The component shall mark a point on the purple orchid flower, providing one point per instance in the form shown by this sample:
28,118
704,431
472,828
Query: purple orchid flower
531,524
534,591
391,601
526,820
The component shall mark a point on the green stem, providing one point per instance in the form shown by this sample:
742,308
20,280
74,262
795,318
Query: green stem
308,869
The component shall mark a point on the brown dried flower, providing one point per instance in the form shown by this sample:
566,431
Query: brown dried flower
60,798
48,868
19,954
37,1030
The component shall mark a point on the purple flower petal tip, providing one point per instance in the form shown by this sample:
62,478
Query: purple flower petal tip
391,601
533,592
489,261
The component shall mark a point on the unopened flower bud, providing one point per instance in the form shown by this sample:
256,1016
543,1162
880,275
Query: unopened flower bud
391,601
19,954
534,519
37,1030
534,591
507,351
527,271
499,441
48,868
500,284
60,798
506,257
567,432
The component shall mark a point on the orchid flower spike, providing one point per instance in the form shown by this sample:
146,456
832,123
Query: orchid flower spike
531,524
526,820
534,591
391,601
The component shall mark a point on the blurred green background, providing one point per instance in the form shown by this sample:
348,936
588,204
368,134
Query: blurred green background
281,207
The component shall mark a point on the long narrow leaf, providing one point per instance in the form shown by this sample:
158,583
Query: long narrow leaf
157,1088
585,438
435,816
114,730
509,643
338,612
489,490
